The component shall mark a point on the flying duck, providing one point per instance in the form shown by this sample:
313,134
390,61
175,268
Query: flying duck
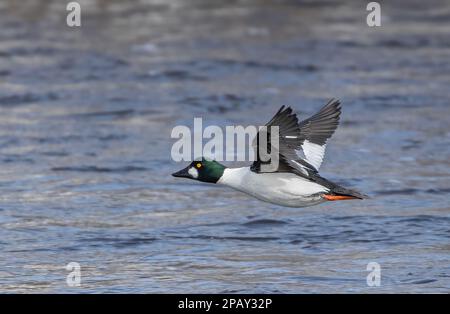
296,181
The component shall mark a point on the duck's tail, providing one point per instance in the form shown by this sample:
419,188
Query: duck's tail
337,192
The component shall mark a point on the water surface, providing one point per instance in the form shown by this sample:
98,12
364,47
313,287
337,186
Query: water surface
85,122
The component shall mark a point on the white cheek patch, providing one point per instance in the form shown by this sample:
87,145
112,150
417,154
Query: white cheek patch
193,172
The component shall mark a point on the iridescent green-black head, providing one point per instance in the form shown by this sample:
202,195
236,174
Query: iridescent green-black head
204,170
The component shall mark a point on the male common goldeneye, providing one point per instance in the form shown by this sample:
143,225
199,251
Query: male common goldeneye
296,181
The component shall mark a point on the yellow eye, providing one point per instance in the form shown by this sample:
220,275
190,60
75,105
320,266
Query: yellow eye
199,165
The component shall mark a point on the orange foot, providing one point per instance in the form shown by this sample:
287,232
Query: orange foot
338,197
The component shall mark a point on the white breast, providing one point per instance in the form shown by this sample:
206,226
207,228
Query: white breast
286,189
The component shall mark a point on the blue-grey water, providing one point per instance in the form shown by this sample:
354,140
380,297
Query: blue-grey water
86,116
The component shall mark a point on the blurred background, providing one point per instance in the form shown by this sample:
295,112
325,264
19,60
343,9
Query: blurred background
85,120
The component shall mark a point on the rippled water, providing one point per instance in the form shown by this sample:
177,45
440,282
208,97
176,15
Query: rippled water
86,116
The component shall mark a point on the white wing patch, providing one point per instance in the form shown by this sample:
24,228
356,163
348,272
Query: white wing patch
300,167
314,153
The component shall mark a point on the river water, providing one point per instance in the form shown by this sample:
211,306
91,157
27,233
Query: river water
85,121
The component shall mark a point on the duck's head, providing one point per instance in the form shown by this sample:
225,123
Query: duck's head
204,170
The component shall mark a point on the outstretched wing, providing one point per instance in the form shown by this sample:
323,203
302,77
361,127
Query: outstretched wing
308,136
316,130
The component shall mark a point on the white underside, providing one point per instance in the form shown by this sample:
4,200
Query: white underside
286,189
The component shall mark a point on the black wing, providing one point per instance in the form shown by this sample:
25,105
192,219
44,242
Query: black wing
316,130
309,136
